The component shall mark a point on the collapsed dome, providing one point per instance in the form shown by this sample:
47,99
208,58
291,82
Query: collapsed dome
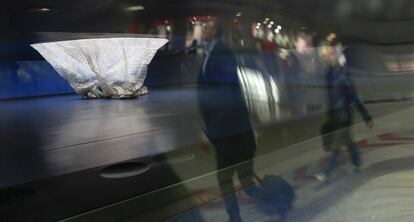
105,67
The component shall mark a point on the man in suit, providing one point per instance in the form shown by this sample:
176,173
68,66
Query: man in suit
225,117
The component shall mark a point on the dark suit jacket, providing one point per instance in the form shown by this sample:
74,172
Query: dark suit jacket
220,97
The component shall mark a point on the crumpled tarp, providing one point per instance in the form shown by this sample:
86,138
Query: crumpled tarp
104,67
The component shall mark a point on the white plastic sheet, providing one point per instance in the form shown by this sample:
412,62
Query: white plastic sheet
105,67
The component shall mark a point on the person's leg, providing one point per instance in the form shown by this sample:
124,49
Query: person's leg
225,179
247,179
245,150
233,153
331,164
340,138
245,173
354,153
352,149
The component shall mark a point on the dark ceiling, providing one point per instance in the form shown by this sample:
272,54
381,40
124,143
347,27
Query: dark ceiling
111,16
20,18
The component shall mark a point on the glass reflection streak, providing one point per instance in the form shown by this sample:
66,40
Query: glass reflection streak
105,67
261,93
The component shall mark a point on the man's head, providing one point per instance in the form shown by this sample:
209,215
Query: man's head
329,54
303,41
331,37
212,30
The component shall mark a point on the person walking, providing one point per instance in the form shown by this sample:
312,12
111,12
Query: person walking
342,100
225,118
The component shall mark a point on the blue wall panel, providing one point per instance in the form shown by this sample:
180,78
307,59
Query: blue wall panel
38,78
30,78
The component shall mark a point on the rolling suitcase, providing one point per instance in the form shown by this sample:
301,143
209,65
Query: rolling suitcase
278,193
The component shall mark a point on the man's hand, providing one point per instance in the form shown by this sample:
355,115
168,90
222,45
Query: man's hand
370,124
204,144
284,54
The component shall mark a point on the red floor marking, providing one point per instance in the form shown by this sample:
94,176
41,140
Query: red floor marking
365,144
392,136
300,173
207,196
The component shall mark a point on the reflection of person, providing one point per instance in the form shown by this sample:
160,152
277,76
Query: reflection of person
225,116
342,96
305,69
332,40
193,47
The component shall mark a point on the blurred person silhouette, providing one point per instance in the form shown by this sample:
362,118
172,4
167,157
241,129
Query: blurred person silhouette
192,49
225,117
305,69
342,99
332,40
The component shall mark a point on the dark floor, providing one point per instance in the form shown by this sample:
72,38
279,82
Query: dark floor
54,149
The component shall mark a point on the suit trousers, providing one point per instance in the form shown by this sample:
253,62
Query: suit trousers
234,155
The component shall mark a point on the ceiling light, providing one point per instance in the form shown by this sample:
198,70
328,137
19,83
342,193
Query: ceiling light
44,9
239,14
279,27
39,9
277,30
135,8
